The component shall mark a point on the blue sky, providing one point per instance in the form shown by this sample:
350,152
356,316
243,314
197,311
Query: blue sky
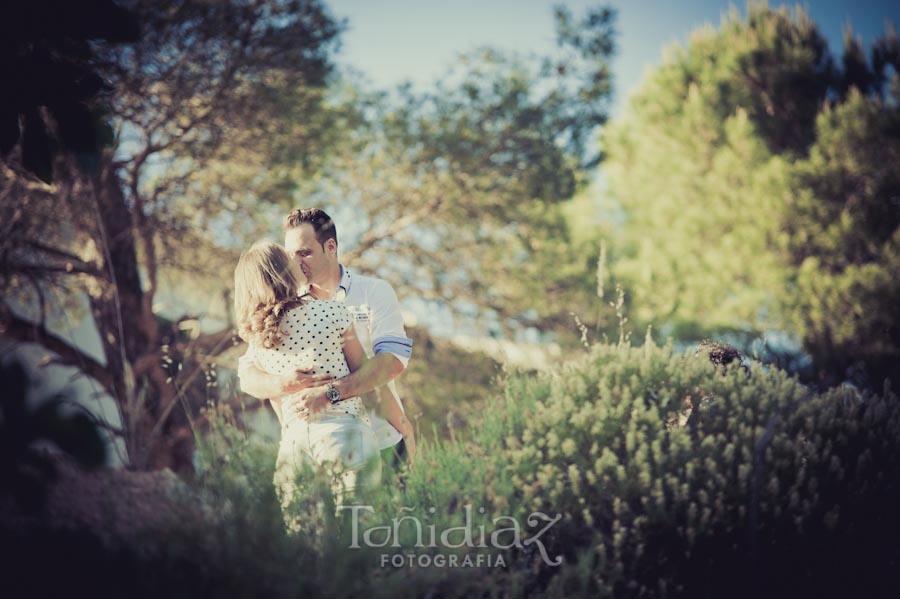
391,41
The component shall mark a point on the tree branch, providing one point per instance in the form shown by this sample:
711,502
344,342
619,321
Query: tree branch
34,270
177,106
42,300
218,342
29,332
371,239
42,247
29,182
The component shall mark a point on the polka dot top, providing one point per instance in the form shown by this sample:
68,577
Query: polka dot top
311,337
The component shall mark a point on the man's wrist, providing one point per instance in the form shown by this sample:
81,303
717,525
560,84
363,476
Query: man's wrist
332,393
342,387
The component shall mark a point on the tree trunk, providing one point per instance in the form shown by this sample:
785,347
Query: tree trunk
130,337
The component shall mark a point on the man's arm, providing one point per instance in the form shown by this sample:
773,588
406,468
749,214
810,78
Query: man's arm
375,372
390,408
366,374
264,385
392,348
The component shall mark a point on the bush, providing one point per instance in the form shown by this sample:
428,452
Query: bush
672,476
675,479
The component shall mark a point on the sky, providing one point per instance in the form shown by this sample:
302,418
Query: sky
392,41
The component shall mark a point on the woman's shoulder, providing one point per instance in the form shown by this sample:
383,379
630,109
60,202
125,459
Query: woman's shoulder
299,310
325,305
330,312
307,306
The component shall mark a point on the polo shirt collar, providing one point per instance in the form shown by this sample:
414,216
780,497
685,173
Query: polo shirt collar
343,289
340,293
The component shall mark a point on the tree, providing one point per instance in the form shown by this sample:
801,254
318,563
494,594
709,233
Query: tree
455,195
222,121
204,82
751,169
843,241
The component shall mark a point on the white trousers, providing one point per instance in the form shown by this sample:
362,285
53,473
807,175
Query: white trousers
343,443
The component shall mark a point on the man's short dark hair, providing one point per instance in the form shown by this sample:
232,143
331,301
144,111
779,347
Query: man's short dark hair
320,221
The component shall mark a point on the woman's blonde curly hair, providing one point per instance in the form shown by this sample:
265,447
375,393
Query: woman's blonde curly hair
265,284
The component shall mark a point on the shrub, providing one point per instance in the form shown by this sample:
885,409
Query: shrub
674,477
764,487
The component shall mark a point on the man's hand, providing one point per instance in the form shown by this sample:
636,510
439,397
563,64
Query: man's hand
310,400
303,378
409,439
264,385
410,442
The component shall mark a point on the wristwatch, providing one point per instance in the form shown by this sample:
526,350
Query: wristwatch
332,393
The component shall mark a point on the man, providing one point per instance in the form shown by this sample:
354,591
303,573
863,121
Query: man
311,239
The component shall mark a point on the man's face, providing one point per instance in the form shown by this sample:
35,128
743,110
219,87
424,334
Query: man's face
304,248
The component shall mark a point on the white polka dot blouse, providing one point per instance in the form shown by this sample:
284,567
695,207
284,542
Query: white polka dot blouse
311,338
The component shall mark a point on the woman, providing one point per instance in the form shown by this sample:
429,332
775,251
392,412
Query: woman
287,333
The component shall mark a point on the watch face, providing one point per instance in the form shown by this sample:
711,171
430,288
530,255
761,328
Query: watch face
333,394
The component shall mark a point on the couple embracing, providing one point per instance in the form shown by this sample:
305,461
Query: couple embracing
324,345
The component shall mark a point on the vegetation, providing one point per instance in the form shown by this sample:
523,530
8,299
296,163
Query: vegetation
446,385
754,187
57,421
672,477
99,242
758,183
53,93
225,115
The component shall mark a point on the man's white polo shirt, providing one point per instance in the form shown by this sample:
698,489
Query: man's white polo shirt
379,327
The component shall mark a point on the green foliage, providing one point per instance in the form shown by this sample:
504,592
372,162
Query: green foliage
758,190
243,536
455,194
763,474
843,239
247,531
445,386
672,476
